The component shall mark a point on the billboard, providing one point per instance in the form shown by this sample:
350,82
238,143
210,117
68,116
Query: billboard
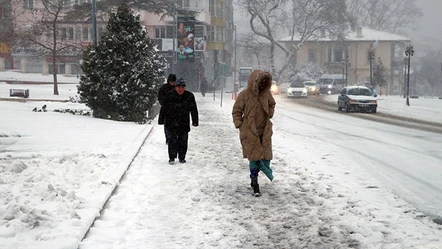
185,38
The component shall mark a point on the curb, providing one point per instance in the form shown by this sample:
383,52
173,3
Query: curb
148,129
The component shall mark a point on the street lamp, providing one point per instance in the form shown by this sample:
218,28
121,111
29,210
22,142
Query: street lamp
346,61
405,63
235,88
371,57
408,52
174,55
94,25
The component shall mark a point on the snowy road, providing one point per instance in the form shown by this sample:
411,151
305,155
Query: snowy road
333,175
405,160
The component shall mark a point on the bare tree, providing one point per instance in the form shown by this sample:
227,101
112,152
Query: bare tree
394,16
302,19
251,48
48,35
6,28
430,73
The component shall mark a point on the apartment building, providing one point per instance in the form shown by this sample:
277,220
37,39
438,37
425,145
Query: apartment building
208,35
353,54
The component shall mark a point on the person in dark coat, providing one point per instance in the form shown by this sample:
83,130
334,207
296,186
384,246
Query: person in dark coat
164,89
203,87
179,106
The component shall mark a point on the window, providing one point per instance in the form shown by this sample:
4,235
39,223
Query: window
211,31
85,33
28,4
329,54
186,4
67,4
62,34
219,9
212,7
77,33
338,54
160,32
71,33
312,55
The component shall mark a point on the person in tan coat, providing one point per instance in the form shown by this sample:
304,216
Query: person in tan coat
252,111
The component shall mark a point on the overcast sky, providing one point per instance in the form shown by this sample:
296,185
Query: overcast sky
430,22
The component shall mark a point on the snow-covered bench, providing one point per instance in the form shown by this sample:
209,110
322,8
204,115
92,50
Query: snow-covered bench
24,93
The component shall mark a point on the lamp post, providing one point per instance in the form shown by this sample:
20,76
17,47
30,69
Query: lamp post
408,52
235,88
94,25
346,70
174,55
405,63
371,57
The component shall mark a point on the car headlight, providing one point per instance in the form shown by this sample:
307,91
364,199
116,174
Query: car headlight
352,101
329,86
304,90
373,102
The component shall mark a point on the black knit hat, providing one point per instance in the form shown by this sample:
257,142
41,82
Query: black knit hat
180,82
172,77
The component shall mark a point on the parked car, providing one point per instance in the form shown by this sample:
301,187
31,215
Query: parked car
312,87
283,88
274,88
297,89
357,98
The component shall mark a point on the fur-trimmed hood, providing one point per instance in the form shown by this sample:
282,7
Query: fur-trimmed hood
259,82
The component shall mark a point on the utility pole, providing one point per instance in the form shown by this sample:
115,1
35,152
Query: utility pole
235,88
174,55
94,25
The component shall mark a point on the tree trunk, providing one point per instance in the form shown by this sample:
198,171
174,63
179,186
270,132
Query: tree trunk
54,72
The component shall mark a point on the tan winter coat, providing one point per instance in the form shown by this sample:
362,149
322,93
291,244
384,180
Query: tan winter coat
252,111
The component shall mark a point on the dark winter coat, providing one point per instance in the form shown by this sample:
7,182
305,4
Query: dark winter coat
252,111
203,86
162,93
177,109
164,89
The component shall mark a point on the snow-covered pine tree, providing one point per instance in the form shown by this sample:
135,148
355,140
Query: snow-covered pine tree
123,73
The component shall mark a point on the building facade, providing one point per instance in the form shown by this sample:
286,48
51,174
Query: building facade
351,56
208,35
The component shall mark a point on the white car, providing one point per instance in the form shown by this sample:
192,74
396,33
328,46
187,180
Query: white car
297,90
312,87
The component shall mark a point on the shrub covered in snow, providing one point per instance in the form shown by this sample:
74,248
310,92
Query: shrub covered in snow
303,72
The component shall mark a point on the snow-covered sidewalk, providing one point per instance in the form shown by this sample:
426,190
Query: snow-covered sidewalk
57,170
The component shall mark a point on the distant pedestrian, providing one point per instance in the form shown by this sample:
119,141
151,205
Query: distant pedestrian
203,87
252,111
164,89
179,106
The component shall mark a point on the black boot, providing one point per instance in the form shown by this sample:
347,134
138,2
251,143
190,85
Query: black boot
255,186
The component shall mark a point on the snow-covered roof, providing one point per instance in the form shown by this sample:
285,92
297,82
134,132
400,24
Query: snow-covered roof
367,35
